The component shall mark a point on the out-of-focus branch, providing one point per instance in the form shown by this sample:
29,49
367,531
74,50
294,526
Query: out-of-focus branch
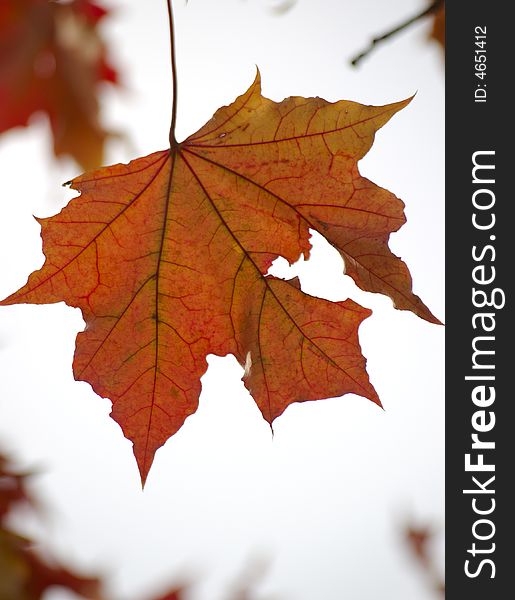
431,9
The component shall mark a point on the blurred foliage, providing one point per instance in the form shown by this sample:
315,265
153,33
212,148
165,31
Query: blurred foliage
419,540
438,31
52,61
25,574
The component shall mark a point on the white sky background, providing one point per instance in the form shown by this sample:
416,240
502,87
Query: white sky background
325,500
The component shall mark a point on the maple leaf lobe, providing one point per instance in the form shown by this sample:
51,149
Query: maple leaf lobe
167,257
288,147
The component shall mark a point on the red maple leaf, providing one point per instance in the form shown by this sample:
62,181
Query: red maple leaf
167,257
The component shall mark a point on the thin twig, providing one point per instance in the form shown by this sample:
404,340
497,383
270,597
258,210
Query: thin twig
433,7
173,140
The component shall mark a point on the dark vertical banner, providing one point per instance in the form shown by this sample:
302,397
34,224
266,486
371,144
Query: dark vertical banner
480,250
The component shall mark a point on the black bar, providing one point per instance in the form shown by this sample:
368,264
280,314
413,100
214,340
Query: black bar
479,124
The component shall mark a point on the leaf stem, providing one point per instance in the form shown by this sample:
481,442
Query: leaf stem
173,140
433,7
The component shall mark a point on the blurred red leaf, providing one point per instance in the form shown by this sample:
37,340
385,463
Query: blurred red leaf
24,573
12,488
419,540
174,594
52,60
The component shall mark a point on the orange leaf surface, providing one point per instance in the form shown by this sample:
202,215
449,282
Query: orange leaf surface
51,60
168,256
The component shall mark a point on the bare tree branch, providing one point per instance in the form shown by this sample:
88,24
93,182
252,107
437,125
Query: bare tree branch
432,8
